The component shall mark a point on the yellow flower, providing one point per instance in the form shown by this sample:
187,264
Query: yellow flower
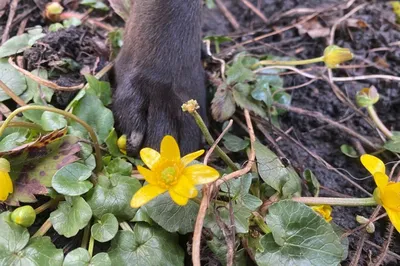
190,106
6,186
121,143
335,55
324,210
387,192
169,172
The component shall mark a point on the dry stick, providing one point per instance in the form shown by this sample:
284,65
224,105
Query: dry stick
210,151
44,82
11,14
323,118
337,23
320,159
391,253
356,258
229,16
207,191
385,248
255,10
12,95
94,22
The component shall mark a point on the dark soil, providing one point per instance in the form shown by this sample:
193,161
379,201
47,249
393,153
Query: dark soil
82,45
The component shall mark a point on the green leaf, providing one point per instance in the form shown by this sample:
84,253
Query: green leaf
71,216
81,257
55,27
262,91
223,105
246,103
91,110
51,121
113,195
282,98
119,166
12,78
19,43
349,151
17,249
12,141
271,76
393,145
299,237
35,91
71,180
96,4
148,246
312,182
220,250
241,216
105,229
172,217
210,4
238,73
72,22
111,142
99,88
234,143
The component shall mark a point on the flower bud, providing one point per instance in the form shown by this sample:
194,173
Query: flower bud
53,11
190,106
121,143
361,219
335,55
370,228
24,216
367,97
5,165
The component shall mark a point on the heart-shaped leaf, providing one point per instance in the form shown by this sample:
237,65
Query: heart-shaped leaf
113,195
81,257
150,246
299,237
106,228
71,216
51,121
71,180
12,78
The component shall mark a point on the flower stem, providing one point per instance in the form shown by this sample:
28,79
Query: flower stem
288,63
85,238
378,122
125,226
210,141
99,162
25,125
47,205
91,246
349,202
43,229
260,222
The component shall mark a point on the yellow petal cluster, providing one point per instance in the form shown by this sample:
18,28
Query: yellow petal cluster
6,185
121,143
387,192
324,210
167,171
335,55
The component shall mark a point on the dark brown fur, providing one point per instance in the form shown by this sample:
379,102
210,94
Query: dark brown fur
158,69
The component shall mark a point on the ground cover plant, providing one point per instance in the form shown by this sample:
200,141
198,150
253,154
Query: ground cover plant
300,165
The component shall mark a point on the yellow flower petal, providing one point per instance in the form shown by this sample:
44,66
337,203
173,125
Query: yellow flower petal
391,196
372,164
201,174
170,149
187,159
145,194
178,199
185,188
6,186
148,175
381,181
394,217
149,156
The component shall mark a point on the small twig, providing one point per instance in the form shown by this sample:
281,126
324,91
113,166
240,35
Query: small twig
11,14
210,151
94,22
44,82
391,253
12,95
338,22
385,248
255,10
323,118
125,226
360,245
43,229
229,16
